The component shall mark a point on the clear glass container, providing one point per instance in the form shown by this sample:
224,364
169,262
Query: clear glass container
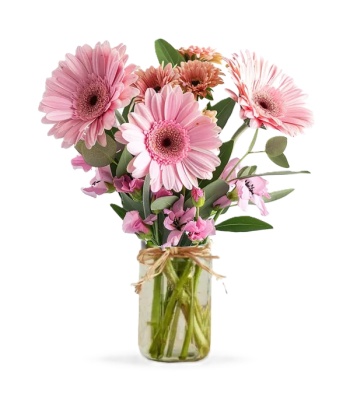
174,312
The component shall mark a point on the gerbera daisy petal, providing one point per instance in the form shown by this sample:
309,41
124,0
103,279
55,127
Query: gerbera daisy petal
168,154
87,87
267,96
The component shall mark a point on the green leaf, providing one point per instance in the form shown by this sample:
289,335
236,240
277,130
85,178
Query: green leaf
279,194
125,158
277,173
242,224
119,210
245,171
163,202
280,160
224,110
276,146
166,53
145,196
213,192
127,110
98,156
224,155
130,205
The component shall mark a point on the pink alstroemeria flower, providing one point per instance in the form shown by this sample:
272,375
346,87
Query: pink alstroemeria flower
133,223
248,189
98,185
200,229
125,184
176,220
252,189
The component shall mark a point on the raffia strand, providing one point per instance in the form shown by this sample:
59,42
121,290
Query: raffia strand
156,260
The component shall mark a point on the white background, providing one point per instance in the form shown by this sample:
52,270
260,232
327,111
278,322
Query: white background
68,316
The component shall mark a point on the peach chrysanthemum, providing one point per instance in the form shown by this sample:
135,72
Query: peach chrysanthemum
199,77
267,97
201,53
154,78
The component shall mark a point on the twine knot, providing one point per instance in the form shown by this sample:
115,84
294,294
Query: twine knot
156,260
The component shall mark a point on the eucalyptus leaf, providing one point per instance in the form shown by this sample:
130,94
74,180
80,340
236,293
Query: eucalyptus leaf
280,160
119,210
125,158
146,196
98,156
224,110
276,146
163,202
242,224
166,53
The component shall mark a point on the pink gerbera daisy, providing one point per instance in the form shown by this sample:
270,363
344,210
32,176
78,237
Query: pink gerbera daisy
171,139
267,97
154,78
84,92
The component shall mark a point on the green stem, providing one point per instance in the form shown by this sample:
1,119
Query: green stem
156,312
245,155
190,324
193,308
173,330
239,132
160,338
200,333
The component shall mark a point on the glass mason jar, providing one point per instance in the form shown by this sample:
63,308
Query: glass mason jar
174,311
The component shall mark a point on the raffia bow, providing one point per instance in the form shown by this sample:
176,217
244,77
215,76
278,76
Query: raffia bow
156,259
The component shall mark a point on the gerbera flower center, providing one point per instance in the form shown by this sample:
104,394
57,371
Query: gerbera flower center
167,142
269,101
92,100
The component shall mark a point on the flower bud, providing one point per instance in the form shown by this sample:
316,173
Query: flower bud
198,197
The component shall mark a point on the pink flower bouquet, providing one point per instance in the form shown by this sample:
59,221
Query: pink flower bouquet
154,137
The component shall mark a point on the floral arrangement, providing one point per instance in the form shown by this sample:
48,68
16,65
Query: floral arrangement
154,138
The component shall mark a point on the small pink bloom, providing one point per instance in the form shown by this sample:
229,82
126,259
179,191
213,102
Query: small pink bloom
79,162
200,229
98,185
163,193
133,223
267,97
125,184
176,220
